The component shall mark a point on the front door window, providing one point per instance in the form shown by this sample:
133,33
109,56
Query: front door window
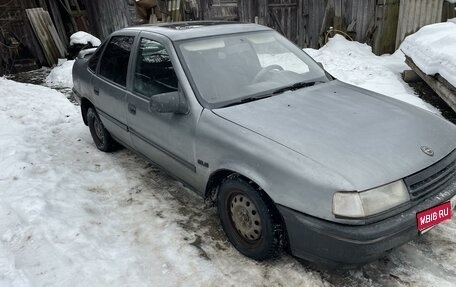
154,73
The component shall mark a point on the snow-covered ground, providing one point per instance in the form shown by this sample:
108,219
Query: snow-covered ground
70,215
73,216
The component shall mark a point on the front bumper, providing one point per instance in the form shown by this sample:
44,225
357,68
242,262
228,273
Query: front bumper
338,245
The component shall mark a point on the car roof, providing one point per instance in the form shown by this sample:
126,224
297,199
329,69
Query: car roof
176,31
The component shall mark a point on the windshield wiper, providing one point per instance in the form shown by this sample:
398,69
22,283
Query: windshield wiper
294,87
246,100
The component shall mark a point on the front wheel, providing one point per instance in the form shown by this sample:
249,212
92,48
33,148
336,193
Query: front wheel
249,219
101,137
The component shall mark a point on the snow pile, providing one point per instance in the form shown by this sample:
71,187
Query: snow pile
433,49
453,20
354,63
84,38
61,75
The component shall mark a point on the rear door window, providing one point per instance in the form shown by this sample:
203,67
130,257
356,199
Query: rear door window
154,72
94,59
114,63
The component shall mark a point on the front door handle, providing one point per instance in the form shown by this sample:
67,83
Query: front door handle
96,91
132,109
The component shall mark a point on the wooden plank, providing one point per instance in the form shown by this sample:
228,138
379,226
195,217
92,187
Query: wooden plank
107,16
299,25
283,5
444,89
410,76
57,17
47,34
448,11
338,21
387,16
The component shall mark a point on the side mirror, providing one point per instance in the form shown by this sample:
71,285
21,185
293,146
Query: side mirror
86,52
171,102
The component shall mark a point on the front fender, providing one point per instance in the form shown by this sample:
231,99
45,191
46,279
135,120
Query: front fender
289,178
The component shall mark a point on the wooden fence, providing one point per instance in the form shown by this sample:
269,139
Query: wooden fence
306,22
107,16
383,24
375,22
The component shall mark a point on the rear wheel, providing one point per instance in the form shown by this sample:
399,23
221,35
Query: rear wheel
101,137
249,219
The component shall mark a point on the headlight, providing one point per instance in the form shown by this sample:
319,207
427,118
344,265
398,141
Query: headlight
370,202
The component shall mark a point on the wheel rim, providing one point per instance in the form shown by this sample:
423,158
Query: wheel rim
245,217
98,127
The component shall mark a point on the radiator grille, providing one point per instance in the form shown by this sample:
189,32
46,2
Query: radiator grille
432,179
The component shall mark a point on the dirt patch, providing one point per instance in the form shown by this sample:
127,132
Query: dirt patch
429,96
36,77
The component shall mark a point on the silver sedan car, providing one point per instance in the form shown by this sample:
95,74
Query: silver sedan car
293,159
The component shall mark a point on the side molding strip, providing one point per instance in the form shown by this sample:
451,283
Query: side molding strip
165,151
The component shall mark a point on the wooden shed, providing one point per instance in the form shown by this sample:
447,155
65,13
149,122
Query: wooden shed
30,38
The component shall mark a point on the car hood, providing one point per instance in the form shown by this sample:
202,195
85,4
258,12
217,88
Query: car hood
368,138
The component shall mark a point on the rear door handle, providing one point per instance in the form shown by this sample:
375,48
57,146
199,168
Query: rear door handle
96,91
132,109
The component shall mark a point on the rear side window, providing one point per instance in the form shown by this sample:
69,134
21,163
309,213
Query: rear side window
93,62
154,72
114,63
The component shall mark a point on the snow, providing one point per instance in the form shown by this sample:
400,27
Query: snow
73,216
433,50
61,75
84,38
453,20
354,63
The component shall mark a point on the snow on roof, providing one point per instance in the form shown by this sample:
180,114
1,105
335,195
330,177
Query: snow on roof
433,49
84,38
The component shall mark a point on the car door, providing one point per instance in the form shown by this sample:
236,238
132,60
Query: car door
165,138
110,86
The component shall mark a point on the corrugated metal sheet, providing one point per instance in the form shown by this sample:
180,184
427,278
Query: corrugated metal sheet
414,14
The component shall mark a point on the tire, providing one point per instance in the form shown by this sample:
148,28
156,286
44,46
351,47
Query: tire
249,219
101,137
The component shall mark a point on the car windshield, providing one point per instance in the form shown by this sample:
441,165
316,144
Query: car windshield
230,69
